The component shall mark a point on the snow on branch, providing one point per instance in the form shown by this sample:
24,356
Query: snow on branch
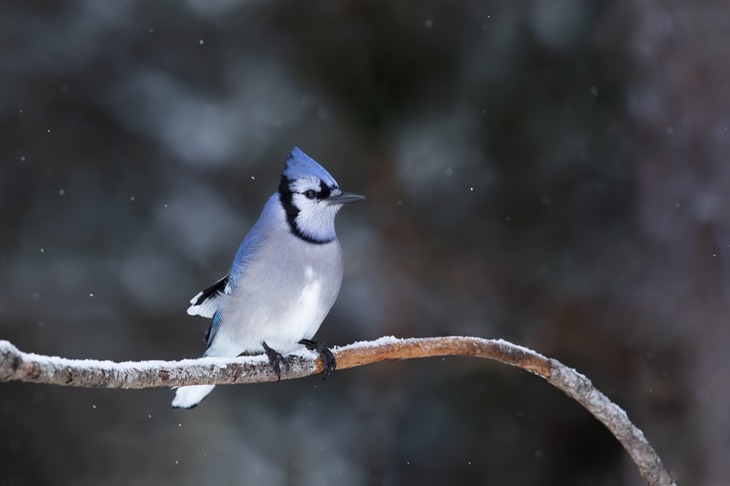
16,365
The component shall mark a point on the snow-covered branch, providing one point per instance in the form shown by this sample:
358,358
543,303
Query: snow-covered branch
16,365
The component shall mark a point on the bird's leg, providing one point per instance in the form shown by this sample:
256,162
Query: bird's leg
275,360
328,359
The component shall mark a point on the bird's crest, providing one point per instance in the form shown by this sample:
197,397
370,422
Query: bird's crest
300,165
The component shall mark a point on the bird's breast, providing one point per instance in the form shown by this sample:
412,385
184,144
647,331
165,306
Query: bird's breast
309,304
282,298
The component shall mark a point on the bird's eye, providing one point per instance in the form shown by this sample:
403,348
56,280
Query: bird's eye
310,194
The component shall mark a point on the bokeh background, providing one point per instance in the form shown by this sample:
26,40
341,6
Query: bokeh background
551,173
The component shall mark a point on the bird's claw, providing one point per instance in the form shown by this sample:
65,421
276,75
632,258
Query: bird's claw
275,360
329,363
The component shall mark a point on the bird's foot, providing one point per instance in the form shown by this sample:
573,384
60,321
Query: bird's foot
328,359
275,360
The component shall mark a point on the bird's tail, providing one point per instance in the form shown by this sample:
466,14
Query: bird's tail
190,396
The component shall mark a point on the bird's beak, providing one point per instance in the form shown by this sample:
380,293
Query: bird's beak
345,198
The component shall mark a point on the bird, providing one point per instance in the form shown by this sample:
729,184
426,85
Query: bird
284,278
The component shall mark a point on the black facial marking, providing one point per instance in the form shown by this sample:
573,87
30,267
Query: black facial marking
286,198
324,190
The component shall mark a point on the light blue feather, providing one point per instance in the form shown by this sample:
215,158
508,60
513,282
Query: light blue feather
299,164
253,240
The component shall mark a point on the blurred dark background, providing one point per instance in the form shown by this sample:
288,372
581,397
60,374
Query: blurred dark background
551,173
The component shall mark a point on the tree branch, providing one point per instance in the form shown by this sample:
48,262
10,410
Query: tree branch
16,365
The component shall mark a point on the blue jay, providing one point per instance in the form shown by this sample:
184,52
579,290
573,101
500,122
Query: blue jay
284,278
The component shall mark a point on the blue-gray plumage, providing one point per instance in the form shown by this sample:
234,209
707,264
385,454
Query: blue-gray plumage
285,276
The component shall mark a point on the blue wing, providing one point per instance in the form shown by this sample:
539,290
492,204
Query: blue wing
253,240
213,328
207,302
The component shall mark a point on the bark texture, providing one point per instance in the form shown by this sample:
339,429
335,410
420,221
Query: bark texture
16,365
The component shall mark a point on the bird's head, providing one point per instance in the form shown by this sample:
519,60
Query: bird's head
311,198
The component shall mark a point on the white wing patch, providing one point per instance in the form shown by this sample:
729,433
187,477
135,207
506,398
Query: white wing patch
207,308
206,302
